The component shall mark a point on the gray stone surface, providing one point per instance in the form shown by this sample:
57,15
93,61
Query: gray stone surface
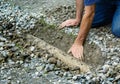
20,66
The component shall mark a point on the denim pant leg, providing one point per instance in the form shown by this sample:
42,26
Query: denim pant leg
103,15
116,22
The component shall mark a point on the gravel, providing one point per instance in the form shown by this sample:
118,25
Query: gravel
21,63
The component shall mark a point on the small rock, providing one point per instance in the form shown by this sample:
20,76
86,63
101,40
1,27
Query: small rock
39,68
94,79
9,78
36,73
11,45
57,72
5,53
65,74
49,67
105,68
101,38
52,66
58,63
74,78
32,48
108,82
65,67
2,68
2,59
61,74
118,82
52,60
21,62
117,78
26,65
115,64
32,55
88,77
83,81
11,62
3,39
1,43
1,48
110,79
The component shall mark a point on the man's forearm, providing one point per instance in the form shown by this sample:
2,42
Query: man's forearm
79,8
85,24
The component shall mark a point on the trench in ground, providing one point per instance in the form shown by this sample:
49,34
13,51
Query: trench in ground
58,38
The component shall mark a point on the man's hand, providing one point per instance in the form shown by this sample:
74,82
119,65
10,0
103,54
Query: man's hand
77,51
77,48
70,22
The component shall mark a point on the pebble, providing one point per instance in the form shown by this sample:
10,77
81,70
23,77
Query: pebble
108,82
11,62
115,64
110,79
58,63
4,53
32,55
1,43
105,68
2,38
88,77
75,78
57,72
118,82
9,78
32,48
65,74
13,18
52,60
40,68
49,67
21,62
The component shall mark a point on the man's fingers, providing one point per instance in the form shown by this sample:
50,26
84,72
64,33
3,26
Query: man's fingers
66,24
69,51
81,56
78,53
61,26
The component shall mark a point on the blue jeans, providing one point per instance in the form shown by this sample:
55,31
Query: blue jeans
108,12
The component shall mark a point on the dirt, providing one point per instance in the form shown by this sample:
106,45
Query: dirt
60,10
38,7
58,38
